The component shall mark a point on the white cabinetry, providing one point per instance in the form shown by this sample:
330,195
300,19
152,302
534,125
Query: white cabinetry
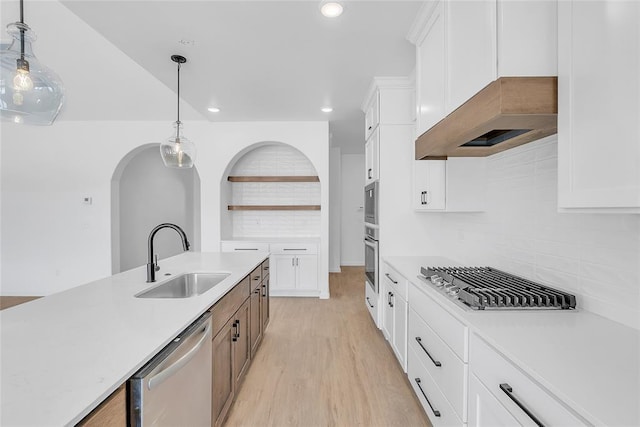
454,185
294,270
372,157
293,266
463,45
599,105
372,116
501,395
394,312
437,354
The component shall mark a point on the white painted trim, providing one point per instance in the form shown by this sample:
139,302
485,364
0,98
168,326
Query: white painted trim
401,82
418,30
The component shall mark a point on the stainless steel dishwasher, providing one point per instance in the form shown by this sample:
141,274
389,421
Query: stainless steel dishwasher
174,388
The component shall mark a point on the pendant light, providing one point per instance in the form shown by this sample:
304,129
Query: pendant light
178,151
30,93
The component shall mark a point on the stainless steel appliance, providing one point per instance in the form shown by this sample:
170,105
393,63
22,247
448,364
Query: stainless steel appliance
174,388
481,288
371,256
371,203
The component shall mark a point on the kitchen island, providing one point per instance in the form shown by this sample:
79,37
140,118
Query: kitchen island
62,355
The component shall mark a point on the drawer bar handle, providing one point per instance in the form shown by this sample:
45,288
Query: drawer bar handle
435,411
389,277
435,362
294,249
508,391
369,302
245,249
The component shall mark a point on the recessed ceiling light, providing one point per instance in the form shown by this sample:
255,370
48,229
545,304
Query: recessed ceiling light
327,109
331,9
214,109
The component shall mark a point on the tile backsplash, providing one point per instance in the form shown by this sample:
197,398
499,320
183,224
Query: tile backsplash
594,256
275,160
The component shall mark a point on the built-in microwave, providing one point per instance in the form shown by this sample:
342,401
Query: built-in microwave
371,203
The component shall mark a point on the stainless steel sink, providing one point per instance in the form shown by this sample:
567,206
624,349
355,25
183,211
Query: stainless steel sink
185,286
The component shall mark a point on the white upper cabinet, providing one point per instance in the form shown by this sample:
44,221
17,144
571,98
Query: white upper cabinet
599,105
372,157
430,66
372,116
463,45
471,49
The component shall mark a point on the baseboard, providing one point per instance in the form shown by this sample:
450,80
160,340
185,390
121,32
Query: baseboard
335,270
352,264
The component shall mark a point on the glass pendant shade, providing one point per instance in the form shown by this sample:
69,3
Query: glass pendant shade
178,151
30,92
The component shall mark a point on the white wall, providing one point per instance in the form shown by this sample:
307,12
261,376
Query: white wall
150,194
49,232
335,209
352,224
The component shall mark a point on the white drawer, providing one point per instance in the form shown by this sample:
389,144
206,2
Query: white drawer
492,369
239,246
394,280
436,406
294,248
450,330
451,374
371,301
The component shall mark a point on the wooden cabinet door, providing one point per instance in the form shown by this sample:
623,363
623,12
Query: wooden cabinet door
241,344
223,384
255,307
111,413
265,303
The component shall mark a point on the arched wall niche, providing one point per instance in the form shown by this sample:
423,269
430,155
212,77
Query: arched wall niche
145,193
269,158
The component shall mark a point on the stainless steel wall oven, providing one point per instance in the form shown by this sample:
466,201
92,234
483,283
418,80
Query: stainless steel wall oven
371,255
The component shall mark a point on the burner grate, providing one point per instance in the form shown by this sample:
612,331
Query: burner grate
486,287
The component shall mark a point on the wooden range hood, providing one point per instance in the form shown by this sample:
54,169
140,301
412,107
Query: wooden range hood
508,112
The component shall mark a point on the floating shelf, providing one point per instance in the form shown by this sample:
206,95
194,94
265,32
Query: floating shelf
274,207
273,178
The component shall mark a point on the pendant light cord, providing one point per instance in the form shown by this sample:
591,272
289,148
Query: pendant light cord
178,122
22,29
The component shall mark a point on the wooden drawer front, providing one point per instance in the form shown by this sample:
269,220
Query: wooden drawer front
492,369
451,375
224,309
450,330
294,248
234,246
265,268
429,394
256,277
394,280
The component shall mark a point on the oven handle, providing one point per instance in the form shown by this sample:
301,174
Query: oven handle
371,245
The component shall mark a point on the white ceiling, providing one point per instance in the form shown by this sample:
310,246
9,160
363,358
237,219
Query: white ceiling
264,60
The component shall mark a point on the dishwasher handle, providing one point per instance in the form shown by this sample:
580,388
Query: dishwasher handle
161,376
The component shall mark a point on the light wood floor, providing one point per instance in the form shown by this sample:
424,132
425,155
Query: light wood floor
324,363
6,302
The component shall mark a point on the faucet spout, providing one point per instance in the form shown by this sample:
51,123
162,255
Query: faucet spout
152,265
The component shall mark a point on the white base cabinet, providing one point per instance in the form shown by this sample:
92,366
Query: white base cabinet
293,266
394,311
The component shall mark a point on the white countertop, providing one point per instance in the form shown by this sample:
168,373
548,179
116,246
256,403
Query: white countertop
590,363
62,355
310,239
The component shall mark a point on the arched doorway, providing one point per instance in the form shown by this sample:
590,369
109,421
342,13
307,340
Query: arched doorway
145,193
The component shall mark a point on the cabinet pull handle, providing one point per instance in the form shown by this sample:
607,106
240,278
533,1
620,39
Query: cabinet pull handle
256,291
266,268
256,278
297,262
264,290
369,128
435,362
293,262
294,249
506,388
435,411
369,302
369,173
245,249
236,335
390,299
390,278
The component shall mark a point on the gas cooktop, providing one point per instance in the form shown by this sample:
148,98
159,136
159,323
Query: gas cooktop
489,288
